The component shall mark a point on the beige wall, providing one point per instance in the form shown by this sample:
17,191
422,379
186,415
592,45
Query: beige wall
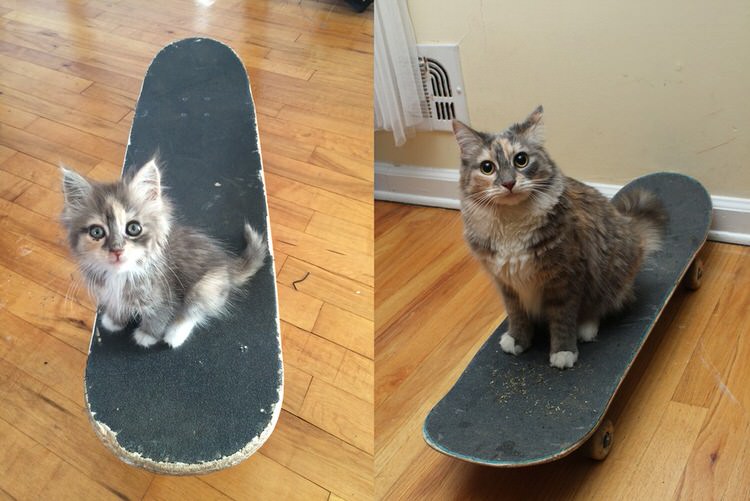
628,87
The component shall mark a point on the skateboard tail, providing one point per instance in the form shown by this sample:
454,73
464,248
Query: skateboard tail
109,438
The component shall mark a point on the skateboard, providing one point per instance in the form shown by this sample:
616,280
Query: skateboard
510,411
213,401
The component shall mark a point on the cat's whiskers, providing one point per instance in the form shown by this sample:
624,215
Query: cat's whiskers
482,203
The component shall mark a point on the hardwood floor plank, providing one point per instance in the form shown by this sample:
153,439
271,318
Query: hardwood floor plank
342,162
24,222
288,213
6,153
346,329
60,426
66,320
313,354
353,265
66,115
44,358
344,233
661,465
319,199
34,170
31,471
15,117
297,308
90,144
28,257
339,413
171,488
355,376
252,475
334,289
40,73
330,462
296,384
319,177
12,46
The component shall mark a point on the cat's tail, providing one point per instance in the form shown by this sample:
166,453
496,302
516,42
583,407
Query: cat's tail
648,215
252,258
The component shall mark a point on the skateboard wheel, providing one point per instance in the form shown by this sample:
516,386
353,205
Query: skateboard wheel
694,277
601,442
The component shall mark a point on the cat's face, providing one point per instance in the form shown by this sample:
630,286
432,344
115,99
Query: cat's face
507,168
116,228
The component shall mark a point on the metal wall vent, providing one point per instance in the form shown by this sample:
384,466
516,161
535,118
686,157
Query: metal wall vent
440,69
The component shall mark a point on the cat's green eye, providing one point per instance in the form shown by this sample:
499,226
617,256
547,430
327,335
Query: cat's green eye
96,232
487,167
133,228
521,160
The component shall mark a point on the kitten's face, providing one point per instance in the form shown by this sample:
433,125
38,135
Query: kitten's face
506,168
116,228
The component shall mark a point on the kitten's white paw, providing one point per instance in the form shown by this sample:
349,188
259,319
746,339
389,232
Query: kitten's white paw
508,344
144,338
177,333
108,324
563,359
587,331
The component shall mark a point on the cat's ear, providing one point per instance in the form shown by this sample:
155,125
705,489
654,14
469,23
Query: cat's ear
146,183
75,186
533,127
469,140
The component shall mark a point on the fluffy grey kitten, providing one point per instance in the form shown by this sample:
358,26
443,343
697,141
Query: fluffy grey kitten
139,263
559,252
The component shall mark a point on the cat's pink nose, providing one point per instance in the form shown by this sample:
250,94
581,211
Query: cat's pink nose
117,253
509,185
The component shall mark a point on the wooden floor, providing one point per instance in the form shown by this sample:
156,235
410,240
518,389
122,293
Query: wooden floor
681,419
70,73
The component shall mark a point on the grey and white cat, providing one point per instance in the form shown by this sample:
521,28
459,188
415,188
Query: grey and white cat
559,252
139,263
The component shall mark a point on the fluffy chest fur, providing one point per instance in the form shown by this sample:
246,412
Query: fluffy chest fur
124,295
505,247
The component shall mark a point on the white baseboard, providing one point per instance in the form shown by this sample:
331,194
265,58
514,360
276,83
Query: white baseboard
439,188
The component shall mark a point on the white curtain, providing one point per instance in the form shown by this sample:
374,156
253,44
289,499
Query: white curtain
399,95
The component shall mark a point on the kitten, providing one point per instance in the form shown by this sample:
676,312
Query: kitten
558,250
139,263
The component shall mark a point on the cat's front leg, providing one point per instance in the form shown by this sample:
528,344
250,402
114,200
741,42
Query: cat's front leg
111,323
562,316
521,329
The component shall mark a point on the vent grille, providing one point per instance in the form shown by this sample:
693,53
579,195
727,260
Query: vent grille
437,89
441,81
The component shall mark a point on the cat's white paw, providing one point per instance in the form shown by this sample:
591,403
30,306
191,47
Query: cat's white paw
144,338
563,359
107,322
508,344
177,333
587,331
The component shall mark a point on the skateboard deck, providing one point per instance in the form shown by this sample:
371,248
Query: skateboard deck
213,401
507,410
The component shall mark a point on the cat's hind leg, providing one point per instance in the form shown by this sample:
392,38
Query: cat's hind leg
587,330
205,299
151,328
